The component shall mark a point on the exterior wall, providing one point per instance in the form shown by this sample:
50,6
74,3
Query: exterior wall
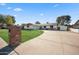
63,28
42,27
74,30
30,27
36,27
55,27
47,26
76,26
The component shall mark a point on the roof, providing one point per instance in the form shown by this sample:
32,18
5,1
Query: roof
29,24
54,24
77,23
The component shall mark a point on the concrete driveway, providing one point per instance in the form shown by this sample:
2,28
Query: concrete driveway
51,42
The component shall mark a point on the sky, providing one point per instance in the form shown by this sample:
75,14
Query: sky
42,12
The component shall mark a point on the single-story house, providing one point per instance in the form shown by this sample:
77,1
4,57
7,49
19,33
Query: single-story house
50,26
62,27
4,26
75,27
28,26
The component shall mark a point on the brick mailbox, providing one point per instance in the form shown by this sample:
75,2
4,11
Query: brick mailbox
14,35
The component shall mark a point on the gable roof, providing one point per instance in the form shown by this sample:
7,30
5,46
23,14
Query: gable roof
29,24
77,23
54,24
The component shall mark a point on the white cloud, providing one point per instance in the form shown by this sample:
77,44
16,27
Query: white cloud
9,8
17,9
3,4
41,14
56,5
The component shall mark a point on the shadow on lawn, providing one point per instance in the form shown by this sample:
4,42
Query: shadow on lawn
6,50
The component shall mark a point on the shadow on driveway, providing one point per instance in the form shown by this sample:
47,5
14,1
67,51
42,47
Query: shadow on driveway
6,50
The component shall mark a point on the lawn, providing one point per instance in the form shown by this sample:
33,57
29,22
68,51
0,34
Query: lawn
26,34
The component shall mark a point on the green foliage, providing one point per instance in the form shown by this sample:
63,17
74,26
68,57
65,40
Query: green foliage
7,19
2,18
13,19
37,22
10,20
26,34
63,20
4,34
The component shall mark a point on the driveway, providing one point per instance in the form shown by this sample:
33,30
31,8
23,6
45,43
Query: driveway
51,42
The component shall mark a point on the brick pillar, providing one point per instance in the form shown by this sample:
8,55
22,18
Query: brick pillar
14,35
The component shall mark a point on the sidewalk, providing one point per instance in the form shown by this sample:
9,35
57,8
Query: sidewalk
2,43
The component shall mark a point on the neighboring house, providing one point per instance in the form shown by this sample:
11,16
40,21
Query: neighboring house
4,26
75,27
50,26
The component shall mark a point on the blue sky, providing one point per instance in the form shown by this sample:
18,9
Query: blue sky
43,12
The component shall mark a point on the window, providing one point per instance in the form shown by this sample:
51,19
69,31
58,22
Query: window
27,25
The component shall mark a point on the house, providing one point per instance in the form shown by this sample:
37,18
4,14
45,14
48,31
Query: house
75,27
62,27
51,26
4,26
28,26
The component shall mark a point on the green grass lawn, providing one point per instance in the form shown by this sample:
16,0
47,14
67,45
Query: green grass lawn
26,34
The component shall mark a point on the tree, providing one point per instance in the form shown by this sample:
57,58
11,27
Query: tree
6,19
47,22
58,20
37,22
13,19
2,20
10,20
63,20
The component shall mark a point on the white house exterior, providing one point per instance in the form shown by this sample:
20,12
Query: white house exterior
30,27
41,26
74,30
75,27
36,27
63,28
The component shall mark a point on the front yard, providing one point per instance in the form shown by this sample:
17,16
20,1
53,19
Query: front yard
26,34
